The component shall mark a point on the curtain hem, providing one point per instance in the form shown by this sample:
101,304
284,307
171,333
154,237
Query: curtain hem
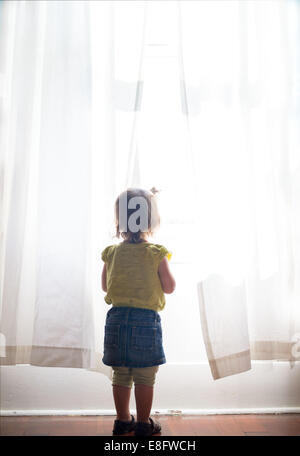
241,361
54,357
230,364
266,350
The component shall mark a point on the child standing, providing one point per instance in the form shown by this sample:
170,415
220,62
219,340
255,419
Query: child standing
135,277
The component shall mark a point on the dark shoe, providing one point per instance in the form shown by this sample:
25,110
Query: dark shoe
124,427
146,429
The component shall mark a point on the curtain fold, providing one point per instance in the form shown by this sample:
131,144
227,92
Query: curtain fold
241,97
46,310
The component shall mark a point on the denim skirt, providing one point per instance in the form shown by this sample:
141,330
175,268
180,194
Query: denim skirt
133,338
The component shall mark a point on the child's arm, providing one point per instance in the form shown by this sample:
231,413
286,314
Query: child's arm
167,281
103,278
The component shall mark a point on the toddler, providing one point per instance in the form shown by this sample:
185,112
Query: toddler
135,277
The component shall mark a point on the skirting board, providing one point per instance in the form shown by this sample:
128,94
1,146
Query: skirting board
240,411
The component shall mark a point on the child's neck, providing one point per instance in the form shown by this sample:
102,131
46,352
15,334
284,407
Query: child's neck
129,242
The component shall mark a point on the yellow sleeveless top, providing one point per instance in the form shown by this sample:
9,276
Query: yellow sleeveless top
132,275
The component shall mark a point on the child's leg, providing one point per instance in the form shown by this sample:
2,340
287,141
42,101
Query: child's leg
122,398
143,399
122,383
144,379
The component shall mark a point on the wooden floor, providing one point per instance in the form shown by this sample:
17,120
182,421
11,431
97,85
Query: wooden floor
186,425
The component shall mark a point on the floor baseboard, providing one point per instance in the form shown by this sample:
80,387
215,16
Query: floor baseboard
243,411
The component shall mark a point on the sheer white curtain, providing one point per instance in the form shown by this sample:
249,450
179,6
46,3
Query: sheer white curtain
198,98
61,62
240,93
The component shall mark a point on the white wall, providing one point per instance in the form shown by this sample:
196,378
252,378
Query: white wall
269,387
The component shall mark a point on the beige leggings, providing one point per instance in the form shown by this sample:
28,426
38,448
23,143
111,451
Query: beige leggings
125,376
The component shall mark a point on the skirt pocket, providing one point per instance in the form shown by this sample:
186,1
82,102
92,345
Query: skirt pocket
112,336
143,338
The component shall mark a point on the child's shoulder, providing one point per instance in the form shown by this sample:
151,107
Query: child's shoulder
107,251
160,251
155,247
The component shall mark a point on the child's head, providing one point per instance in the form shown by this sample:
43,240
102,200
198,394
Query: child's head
136,214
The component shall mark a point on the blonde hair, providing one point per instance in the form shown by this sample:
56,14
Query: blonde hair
152,214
